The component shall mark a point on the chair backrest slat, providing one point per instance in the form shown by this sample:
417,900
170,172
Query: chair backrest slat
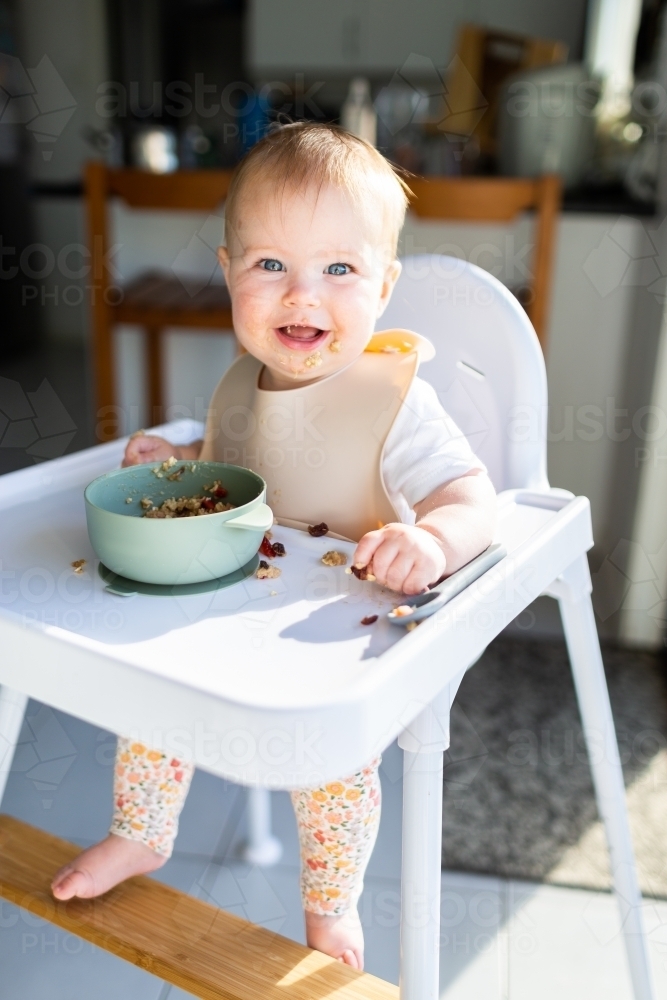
488,199
500,199
186,190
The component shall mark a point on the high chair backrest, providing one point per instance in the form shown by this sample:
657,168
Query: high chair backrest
488,369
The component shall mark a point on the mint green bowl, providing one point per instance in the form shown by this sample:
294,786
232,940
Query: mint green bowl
175,550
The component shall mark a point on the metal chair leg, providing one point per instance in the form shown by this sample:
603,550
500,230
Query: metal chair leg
12,710
573,591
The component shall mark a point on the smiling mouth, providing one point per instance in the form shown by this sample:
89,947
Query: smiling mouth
301,338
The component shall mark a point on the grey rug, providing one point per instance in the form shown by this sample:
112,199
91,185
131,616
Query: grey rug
519,798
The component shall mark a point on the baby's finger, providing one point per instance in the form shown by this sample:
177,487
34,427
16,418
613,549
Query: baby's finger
398,572
383,557
366,548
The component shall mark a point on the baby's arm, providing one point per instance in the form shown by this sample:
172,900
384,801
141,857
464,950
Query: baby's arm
150,448
454,524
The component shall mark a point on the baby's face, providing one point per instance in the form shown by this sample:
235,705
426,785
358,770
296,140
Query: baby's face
308,278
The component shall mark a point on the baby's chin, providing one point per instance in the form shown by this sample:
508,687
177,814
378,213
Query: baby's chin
297,369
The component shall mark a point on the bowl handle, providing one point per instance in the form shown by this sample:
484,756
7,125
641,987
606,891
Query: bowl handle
260,518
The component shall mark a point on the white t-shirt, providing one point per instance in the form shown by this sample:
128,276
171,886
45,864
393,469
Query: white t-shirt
423,450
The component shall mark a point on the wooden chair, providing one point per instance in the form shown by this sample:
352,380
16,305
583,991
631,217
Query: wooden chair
153,300
486,58
501,199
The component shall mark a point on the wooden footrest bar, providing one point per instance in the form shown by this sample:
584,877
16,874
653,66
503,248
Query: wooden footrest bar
206,951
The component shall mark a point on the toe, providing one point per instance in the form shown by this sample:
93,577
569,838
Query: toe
349,958
74,883
64,886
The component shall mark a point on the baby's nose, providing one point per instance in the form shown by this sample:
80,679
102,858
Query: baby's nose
302,294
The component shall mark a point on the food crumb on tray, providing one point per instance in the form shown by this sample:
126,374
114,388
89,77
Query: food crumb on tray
271,549
78,565
128,499
334,558
317,530
266,572
369,620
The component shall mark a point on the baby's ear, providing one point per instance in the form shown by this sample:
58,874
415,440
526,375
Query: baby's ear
391,275
223,257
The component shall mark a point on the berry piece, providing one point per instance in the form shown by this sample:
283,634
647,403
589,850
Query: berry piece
317,530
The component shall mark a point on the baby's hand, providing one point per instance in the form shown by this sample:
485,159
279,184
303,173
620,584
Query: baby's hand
148,448
403,557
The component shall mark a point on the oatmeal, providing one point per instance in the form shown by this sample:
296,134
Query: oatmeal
186,507
334,558
78,565
266,572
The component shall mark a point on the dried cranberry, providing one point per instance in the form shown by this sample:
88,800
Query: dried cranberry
220,492
361,573
369,619
266,548
317,530
208,504
278,549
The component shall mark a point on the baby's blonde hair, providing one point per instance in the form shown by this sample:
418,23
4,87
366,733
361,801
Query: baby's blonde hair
305,154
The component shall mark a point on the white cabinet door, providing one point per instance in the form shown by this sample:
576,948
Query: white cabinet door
399,29
308,35
379,35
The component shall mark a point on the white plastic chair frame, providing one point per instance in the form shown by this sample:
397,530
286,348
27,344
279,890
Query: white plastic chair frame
490,376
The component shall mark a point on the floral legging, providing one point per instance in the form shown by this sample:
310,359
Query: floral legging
337,823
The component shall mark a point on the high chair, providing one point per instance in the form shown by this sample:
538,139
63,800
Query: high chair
355,689
490,377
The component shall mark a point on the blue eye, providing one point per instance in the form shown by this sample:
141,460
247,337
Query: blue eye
271,265
338,269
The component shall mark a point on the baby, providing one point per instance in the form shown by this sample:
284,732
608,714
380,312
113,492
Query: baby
336,421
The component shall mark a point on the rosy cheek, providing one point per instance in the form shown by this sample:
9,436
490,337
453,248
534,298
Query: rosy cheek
249,312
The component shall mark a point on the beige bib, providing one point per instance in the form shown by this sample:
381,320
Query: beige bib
319,447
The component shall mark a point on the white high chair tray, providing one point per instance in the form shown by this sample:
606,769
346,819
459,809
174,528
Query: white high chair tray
270,681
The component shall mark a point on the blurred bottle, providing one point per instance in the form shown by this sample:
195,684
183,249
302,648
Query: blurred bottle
358,114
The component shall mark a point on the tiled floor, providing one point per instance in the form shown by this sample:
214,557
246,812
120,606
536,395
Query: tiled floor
501,940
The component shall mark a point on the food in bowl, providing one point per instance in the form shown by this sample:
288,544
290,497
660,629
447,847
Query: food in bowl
187,507
180,549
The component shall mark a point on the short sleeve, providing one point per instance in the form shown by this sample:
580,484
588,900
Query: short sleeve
424,449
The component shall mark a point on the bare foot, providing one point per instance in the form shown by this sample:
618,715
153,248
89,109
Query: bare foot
103,866
341,937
